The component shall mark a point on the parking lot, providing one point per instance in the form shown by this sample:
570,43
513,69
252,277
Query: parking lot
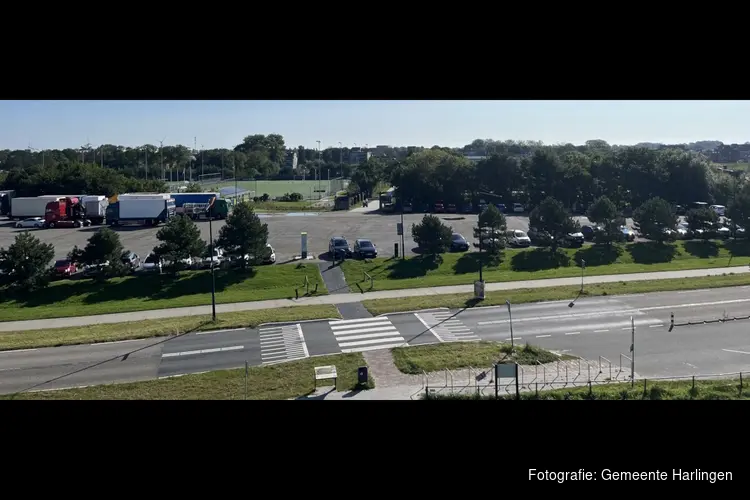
284,232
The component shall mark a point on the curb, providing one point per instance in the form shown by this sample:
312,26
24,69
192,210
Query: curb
296,322
414,311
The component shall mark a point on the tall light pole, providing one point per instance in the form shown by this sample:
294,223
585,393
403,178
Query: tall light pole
341,159
161,159
632,352
510,322
201,161
319,172
145,150
211,244
583,268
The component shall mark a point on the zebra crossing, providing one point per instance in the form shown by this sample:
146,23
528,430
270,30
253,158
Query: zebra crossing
282,343
445,328
368,334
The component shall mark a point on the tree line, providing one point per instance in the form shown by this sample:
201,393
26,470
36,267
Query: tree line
25,264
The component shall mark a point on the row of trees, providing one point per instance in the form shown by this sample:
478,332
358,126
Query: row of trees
25,264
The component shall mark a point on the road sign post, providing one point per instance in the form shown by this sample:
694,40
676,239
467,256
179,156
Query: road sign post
303,250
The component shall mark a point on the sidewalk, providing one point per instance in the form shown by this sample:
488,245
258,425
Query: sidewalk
348,298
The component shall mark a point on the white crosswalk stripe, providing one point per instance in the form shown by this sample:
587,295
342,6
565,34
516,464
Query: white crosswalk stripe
446,328
367,334
282,343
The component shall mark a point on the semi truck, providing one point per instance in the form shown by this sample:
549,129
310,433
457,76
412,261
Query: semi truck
65,212
95,207
26,207
140,209
194,205
5,197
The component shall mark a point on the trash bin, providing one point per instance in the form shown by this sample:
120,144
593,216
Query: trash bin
362,375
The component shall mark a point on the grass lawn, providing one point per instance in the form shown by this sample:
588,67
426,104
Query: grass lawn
651,390
276,189
286,206
282,381
525,295
54,337
454,355
533,264
139,293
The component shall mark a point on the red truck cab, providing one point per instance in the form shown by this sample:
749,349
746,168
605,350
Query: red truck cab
66,212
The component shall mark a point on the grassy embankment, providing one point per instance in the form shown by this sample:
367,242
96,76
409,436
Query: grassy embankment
54,337
643,390
455,355
139,293
282,381
534,264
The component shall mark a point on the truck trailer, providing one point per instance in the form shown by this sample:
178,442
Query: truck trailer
194,205
95,208
26,207
66,212
140,209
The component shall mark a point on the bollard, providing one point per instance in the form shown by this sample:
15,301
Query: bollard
316,288
671,321
296,293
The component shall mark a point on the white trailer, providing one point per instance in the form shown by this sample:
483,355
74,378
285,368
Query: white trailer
149,209
23,208
95,207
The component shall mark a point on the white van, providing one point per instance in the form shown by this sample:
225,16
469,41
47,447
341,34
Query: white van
518,238
719,209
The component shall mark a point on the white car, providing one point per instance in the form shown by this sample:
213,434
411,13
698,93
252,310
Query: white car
518,238
270,258
724,232
683,230
518,208
213,261
31,222
152,264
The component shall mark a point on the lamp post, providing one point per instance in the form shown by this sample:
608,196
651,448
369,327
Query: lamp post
510,322
583,268
211,245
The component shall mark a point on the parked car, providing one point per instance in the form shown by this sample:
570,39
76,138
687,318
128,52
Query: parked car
269,257
539,238
628,233
131,260
439,207
208,261
459,243
64,268
467,208
482,207
365,249
92,269
451,208
152,264
407,207
36,222
338,248
574,240
723,232
501,207
589,232
680,210
719,209
683,230
518,208
518,238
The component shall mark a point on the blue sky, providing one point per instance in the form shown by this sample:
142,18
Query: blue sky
58,124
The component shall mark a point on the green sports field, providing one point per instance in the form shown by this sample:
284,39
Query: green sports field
280,188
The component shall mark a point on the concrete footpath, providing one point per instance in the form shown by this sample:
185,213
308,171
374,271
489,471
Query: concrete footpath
348,298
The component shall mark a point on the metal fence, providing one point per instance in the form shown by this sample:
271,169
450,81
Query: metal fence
579,375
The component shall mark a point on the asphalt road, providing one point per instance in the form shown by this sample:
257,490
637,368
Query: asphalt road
284,232
591,328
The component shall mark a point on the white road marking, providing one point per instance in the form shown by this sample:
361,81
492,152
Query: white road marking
368,342
689,291
600,331
374,348
656,326
17,350
117,342
203,351
302,339
367,336
371,324
543,336
573,333
389,328
220,331
429,328
627,328
514,339
738,352
350,321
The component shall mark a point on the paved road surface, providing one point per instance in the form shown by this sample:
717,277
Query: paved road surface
350,298
592,328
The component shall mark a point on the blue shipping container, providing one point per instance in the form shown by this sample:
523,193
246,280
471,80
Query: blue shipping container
182,198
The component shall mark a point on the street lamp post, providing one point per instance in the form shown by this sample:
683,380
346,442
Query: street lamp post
341,159
510,322
583,268
318,169
211,244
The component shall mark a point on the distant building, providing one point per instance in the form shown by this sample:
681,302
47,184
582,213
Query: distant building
290,161
357,156
475,158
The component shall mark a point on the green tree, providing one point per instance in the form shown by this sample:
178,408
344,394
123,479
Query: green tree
703,220
104,252
491,231
739,209
180,240
193,187
551,217
604,213
244,234
431,235
25,264
655,219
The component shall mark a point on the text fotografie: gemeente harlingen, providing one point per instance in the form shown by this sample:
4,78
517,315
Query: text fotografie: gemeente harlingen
610,475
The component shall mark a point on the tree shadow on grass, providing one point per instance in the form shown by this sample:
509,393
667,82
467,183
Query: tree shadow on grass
415,267
702,249
539,259
598,255
469,262
652,252
738,248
